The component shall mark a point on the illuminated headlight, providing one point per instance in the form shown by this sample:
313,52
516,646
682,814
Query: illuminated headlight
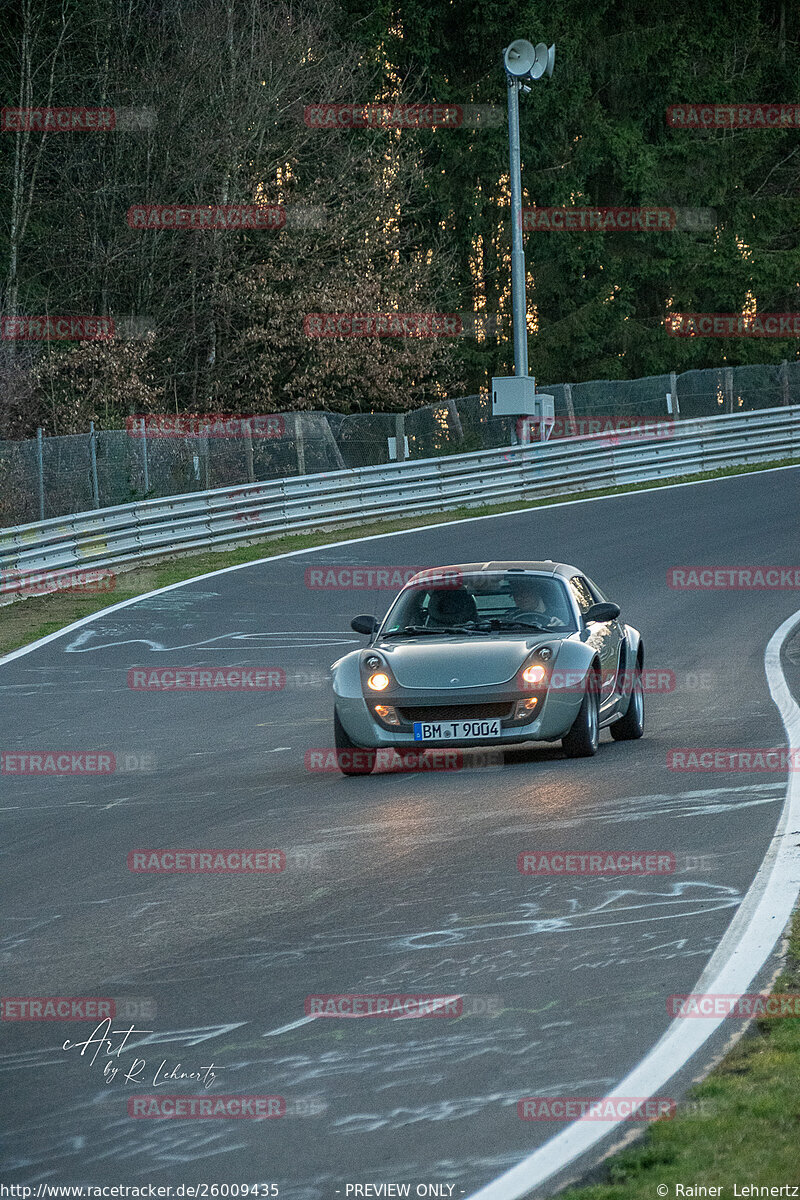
387,714
534,674
525,708
378,682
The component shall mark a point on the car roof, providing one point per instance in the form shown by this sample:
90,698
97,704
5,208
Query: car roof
544,566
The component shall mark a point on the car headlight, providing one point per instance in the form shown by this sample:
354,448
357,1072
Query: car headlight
534,674
378,681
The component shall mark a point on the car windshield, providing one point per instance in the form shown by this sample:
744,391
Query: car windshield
485,603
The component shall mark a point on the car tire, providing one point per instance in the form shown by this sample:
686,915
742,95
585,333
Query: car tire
632,724
584,736
347,762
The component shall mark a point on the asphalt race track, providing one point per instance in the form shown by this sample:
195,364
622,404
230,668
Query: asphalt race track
397,883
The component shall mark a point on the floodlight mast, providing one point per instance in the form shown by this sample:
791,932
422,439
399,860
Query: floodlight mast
515,395
519,303
523,63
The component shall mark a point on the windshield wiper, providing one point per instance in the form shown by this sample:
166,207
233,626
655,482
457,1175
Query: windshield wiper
407,631
499,623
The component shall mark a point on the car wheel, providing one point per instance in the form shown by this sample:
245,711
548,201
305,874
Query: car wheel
351,759
632,724
584,736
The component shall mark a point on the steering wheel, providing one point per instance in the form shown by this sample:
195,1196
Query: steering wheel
541,618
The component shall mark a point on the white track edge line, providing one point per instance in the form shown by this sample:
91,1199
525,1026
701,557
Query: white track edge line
743,950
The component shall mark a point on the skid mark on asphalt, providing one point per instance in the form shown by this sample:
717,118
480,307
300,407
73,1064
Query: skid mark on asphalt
705,803
680,899
178,601
89,640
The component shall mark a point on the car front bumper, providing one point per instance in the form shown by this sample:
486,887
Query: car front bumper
552,722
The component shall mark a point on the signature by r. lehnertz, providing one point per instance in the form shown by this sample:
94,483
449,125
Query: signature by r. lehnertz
101,1039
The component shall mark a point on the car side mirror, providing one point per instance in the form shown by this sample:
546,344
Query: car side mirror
601,612
364,624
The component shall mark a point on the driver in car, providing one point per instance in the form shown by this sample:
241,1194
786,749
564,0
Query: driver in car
537,604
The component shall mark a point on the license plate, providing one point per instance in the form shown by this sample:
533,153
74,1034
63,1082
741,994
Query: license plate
455,731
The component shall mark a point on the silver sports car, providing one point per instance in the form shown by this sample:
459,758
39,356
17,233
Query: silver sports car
486,654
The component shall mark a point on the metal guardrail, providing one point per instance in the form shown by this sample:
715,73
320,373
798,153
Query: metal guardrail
150,528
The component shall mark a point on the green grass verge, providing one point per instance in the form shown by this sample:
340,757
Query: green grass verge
33,617
740,1126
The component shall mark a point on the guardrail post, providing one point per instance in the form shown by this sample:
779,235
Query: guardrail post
145,465
40,461
93,462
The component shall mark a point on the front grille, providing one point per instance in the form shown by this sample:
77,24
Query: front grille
455,712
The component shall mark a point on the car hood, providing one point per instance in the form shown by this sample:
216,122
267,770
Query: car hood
420,663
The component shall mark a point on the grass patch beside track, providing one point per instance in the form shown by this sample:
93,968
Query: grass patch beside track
741,1125
30,618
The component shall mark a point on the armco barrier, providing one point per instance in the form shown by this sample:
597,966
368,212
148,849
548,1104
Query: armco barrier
145,530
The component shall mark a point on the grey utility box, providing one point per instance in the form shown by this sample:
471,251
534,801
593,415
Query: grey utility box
516,396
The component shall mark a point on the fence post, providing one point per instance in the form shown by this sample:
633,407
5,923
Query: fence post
400,436
455,419
673,389
728,389
327,434
40,459
784,378
145,465
299,444
570,407
248,452
93,461
205,458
